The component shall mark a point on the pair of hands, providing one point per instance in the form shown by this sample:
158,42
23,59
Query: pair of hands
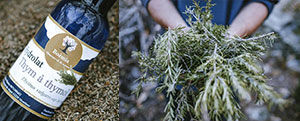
245,23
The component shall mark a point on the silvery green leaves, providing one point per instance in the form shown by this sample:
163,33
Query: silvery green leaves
214,71
67,78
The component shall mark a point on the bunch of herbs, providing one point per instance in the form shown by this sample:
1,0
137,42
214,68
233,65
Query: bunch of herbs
204,71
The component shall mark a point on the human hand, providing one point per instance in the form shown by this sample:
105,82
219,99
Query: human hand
165,13
239,31
248,20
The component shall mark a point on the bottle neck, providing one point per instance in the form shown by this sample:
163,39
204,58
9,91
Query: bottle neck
101,6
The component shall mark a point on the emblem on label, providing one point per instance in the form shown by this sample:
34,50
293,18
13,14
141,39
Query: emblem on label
63,52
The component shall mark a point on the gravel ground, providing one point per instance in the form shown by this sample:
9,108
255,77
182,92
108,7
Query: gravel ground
96,96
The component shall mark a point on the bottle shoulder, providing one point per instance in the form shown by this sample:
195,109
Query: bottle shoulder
83,22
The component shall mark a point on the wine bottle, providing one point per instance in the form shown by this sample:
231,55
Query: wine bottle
54,60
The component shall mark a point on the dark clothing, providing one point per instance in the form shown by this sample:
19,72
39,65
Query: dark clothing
224,11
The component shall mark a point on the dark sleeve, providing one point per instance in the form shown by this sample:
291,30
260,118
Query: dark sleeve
268,3
145,3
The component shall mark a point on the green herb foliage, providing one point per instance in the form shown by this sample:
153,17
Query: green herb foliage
66,78
222,69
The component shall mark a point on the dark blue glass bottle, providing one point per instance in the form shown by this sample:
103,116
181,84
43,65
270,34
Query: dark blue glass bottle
86,20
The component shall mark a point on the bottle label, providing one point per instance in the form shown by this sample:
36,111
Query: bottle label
47,69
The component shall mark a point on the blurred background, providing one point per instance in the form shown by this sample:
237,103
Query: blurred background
281,63
95,97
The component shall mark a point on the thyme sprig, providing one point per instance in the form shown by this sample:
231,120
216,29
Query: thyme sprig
67,78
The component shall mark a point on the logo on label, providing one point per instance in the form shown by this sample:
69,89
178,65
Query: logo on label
63,52
69,44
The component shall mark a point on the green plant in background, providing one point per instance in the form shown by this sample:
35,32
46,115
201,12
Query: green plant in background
213,70
66,78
